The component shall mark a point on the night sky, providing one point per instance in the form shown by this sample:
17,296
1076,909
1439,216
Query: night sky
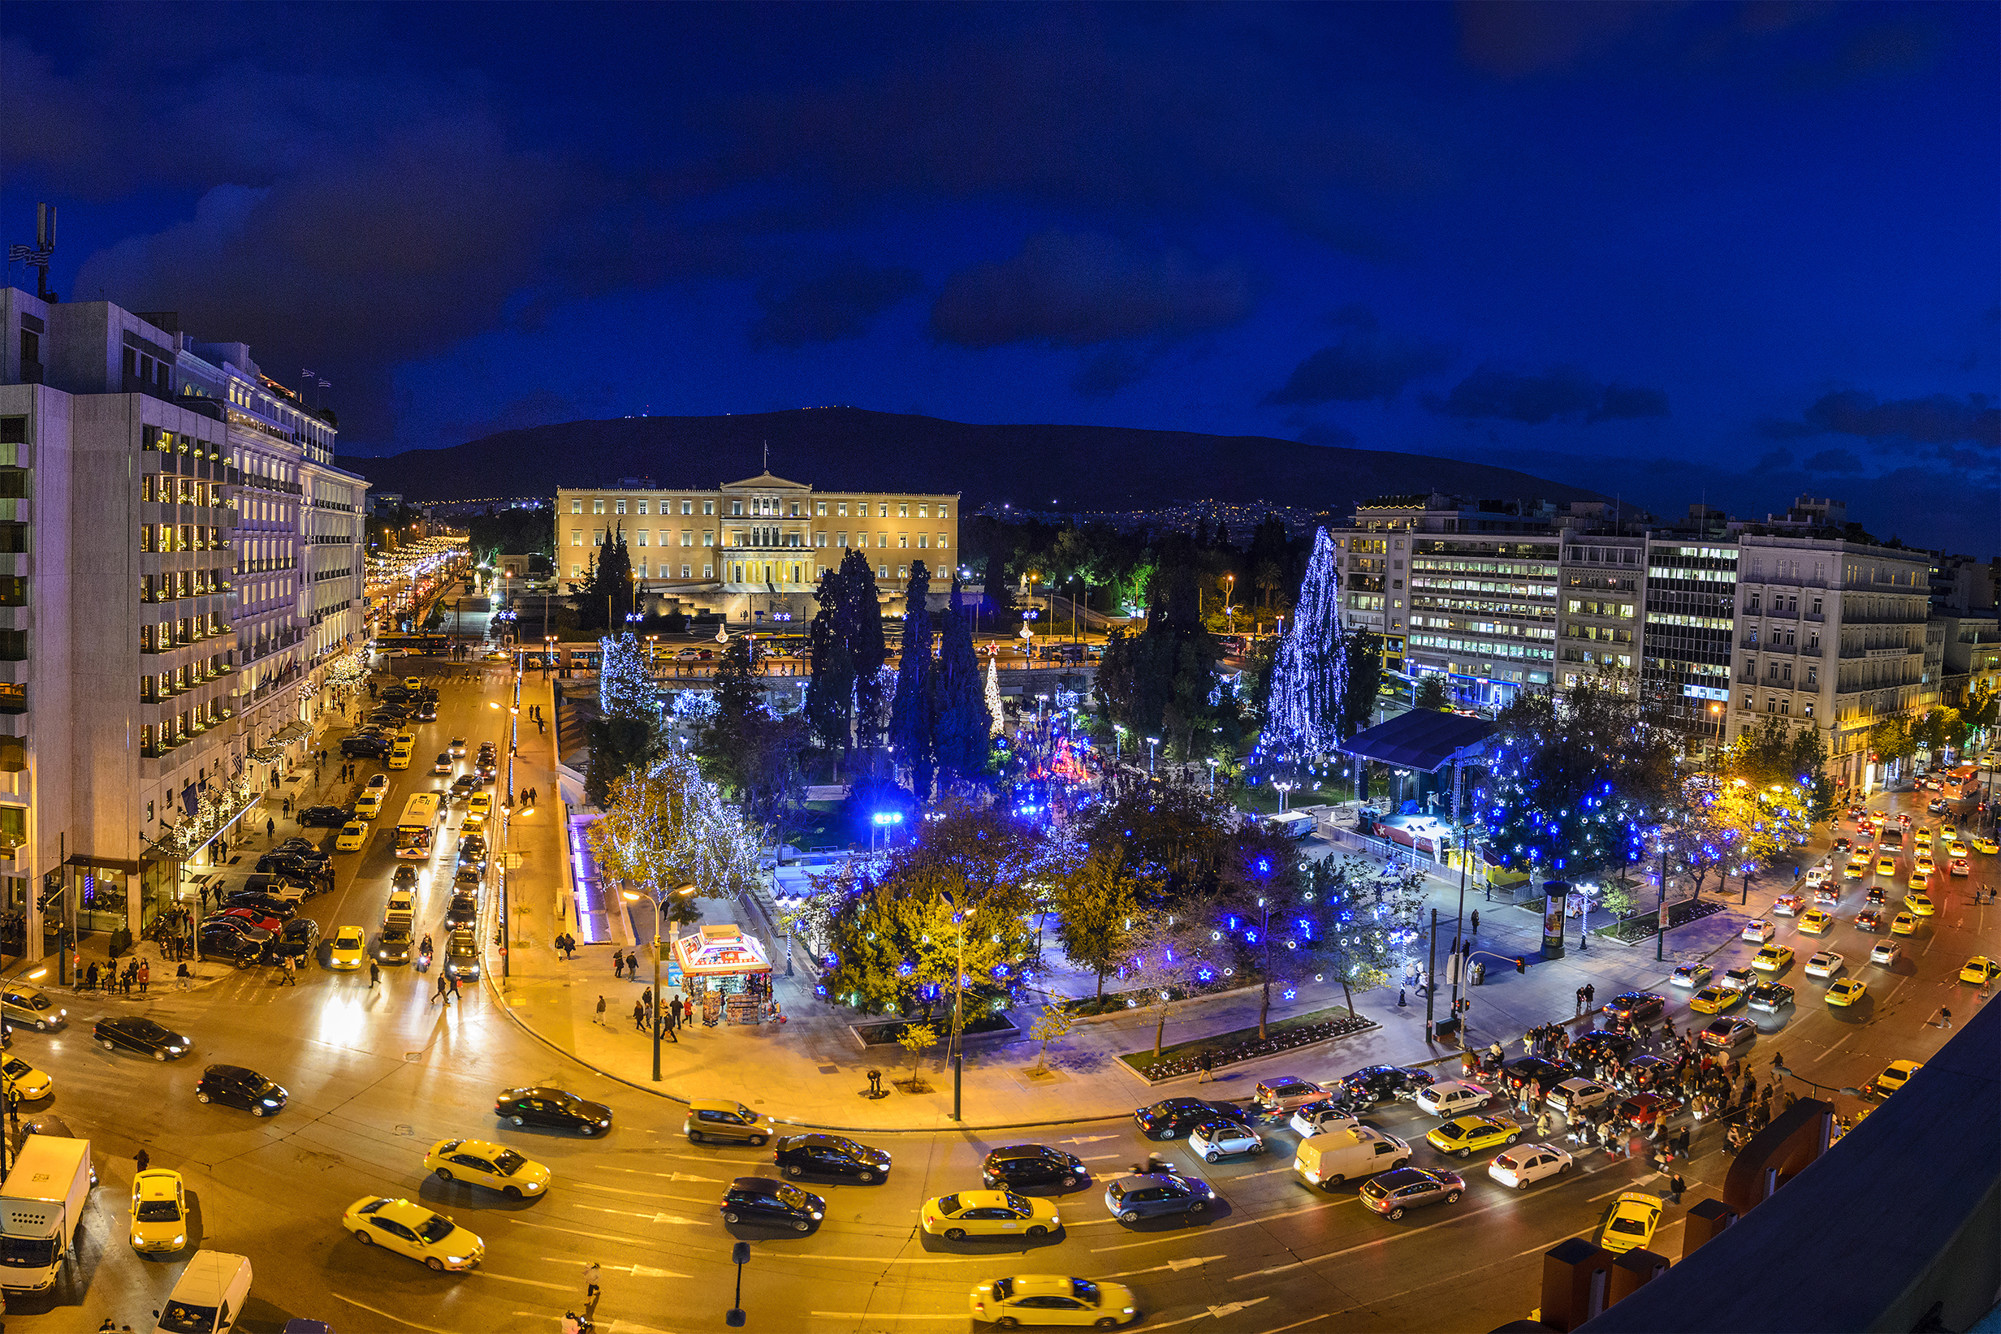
1721,251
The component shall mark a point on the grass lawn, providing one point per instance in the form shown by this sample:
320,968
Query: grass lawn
1264,797
1143,1061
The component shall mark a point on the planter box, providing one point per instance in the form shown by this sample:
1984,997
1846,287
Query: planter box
884,1033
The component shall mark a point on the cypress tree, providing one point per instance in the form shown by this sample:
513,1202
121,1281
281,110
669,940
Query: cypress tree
830,692
961,735
910,712
861,623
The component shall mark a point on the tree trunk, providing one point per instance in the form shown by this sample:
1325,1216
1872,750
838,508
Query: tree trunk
1264,1008
1159,1029
1101,984
1348,996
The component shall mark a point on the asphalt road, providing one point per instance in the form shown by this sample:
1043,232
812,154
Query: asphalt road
377,1074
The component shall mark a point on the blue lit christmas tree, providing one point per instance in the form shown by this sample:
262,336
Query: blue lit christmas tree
1309,681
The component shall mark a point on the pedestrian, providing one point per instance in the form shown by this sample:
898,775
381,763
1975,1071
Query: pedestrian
441,997
674,1011
145,975
639,1016
142,1158
270,829
455,986
1580,1000
374,974
599,1021
90,978
1681,1138
1675,1187
618,963
1589,992
591,1288
1542,1124
1206,1063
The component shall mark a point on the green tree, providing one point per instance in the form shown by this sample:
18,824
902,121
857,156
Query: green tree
747,748
605,597
861,628
963,731
1431,693
830,693
910,719
917,1039
665,826
1100,907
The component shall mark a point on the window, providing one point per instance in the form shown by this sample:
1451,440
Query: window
576,507
1807,708
597,505
687,537
820,538
902,541
736,507
841,508
941,541
621,507
903,510
1754,601
708,507
708,537
882,541
941,512
821,509
882,572
923,511
923,541
841,539
684,572
1813,676
642,537
642,508
708,571
885,510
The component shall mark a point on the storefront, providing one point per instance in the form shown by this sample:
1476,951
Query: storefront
725,974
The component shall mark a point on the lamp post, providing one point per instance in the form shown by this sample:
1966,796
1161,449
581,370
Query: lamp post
1151,742
1212,775
1283,787
882,821
680,891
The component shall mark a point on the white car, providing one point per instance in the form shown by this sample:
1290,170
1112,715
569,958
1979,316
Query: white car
1760,930
1452,1097
1824,964
1321,1119
1578,1095
1522,1164
1223,1138
1819,875
1886,952
1691,975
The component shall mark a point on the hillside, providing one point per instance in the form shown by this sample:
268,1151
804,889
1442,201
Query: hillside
1035,467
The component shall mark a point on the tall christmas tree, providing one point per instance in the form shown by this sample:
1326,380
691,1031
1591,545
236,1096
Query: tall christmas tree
625,686
910,735
861,628
1309,682
993,695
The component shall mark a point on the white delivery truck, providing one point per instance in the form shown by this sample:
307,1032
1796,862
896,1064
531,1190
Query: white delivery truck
1292,824
209,1297
41,1208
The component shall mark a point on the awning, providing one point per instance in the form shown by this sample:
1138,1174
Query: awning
265,754
1422,739
291,732
719,951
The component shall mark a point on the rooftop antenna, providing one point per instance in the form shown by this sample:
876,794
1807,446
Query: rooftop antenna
37,256
767,456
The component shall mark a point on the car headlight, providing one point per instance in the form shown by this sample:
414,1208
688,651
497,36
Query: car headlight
455,1259
816,1213
271,1102
180,1240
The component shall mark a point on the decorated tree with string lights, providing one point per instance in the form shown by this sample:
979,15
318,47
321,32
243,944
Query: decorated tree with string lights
994,723
1321,684
626,688
665,826
962,734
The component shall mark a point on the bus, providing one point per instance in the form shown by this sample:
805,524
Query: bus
418,827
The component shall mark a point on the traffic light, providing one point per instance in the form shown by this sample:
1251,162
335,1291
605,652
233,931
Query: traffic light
1521,964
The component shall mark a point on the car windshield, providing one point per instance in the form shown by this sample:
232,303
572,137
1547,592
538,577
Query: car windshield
948,1204
32,1002
1003,1289
435,1228
158,1211
1084,1290
1631,1226
1016,1202
187,1318
507,1162
795,1197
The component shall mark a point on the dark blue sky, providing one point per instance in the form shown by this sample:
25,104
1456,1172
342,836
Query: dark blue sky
1731,251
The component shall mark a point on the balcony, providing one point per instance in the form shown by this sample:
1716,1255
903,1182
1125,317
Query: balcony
13,698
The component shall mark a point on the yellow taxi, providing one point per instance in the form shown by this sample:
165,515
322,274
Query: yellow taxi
1773,958
1986,845
353,837
369,804
404,738
1980,970
1924,864
1920,880
412,1230
1919,904
349,949
1922,840
1896,1075
1956,849
1948,832
487,1164
413,683
1816,922
1630,1221
1858,866
1886,866
1715,999
1846,991
399,758
989,1213
159,1211
480,804
1051,1299
1904,924
24,1081
1465,1136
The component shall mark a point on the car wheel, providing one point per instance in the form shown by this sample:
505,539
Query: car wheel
757,1141
1069,1183
1129,1216
729,1217
1395,1214
1037,1233
361,1235
1462,1153
201,1097
512,1192
794,1170
260,1111
1452,1197
1211,1156
802,1226
1511,1139
864,1176
1007,1322
955,1234
160,1055
1333,1183
1199,1207
694,1137
434,1264
1522,1184
1562,1168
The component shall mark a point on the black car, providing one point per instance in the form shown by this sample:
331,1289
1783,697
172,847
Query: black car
464,911
240,943
427,712
466,881
136,1033
403,877
364,747
773,1203
1636,1007
234,1086
830,1155
472,851
299,938
1876,895
332,817
1173,1118
393,945
1382,1083
552,1107
1518,1074
1601,1044
268,904
1021,1166
301,866
465,785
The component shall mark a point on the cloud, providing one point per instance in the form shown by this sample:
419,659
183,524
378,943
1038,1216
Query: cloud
1071,289
840,301
1561,392
1367,364
1938,419
1109,372
1834,460
1775,460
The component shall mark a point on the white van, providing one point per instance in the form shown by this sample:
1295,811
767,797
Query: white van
1292,824
209,1297
1348,1155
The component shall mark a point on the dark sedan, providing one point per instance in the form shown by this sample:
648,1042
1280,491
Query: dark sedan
465,785
463,910
299,865
297,941
1601,1044
1381,1083
331,817
552,1107
1025,1166
1132,1198
234,1086
830,1155
220,940
393,945
1635,1007
1640,1110
136,1033
1175,1117
772,1203
364,747
1517,1075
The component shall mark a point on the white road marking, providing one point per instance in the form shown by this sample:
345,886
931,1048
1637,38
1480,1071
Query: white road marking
875,1315
636,1270
408,1324
1217,1312
1196,1232
531,1282
1176,1265
1349,1250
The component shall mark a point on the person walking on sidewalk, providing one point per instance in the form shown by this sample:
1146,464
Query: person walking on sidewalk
674,1011
145,975
443,996
599,1020
270,829
639,1016
141,1160
374,975
591,1289
1206,1063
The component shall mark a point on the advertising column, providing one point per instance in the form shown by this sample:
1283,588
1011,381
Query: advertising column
1555,899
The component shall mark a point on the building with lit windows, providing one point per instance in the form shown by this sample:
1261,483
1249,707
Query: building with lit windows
161,636
753,549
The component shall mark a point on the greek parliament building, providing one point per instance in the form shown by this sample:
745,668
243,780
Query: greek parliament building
755,549
180,594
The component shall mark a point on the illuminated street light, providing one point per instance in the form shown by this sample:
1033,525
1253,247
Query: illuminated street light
1151,742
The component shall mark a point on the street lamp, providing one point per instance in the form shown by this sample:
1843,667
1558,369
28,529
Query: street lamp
1151,742
679,892
1283,787
1212,775
1779,1068
883,821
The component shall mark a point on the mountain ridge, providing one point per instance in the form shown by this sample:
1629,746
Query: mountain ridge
836,449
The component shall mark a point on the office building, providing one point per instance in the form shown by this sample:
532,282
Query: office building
167,638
